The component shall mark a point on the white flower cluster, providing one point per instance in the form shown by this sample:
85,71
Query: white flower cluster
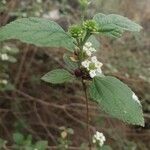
91,64
99,138
88,49
4,57
3,81
39,1
3,1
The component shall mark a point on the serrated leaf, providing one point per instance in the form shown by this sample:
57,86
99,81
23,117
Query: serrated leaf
94,41
41,145
57,76
37,31
114,25
116,98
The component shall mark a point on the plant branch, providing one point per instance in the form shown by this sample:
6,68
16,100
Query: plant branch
87,113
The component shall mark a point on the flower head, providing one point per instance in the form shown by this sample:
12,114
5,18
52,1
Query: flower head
4,2
88,44
3,81
86,63
39,1
76,31
4,57
90,25
94,59
99,138
88,49
93,66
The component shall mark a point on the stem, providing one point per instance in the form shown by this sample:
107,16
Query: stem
87,114
86,38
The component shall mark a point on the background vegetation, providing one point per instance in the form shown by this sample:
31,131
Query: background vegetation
32,111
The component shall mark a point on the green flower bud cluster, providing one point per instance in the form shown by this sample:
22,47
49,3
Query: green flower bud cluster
90,25
76,31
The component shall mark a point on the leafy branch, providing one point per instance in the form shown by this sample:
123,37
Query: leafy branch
112,95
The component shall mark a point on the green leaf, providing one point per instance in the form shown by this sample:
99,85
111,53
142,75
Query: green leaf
94,42
71,65
27,148
41,145
28,141
18,138
105,147
37,31
2,143
116,98
57,76
114,25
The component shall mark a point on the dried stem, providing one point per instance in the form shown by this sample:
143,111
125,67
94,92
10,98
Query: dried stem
87,114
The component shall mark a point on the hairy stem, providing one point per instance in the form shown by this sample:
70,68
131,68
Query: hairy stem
87,114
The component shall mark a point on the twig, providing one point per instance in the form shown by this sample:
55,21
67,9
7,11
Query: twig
11,7
27,68
21,65
87,114
41,121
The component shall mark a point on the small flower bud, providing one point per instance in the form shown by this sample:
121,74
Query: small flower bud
78,73
90,25
76,31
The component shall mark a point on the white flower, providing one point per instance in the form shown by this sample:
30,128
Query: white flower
3,81
86,63
92,73
85,48
99,138
135,98
98,64
24,15
4,1
88,49
94,59
93,66
88,53
4,57
99,70
92,49
39,1
88,44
